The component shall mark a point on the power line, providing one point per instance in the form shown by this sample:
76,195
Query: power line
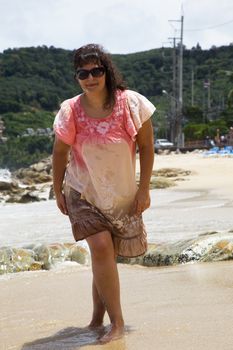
208,28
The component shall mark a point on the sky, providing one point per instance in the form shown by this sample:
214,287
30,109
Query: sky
121,26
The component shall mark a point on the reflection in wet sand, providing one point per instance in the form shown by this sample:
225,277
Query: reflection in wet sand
74,338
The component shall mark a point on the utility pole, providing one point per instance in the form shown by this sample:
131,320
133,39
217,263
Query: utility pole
209,103
208,107
181,63
174,90
180,142
174,67
178,118
174,100
192,87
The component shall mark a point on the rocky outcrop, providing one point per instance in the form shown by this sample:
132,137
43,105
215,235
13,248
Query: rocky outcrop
36,174
40,256
13,192
28,184
27,196
167,177
215,246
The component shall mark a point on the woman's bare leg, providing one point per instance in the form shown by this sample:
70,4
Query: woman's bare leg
98,308
106,279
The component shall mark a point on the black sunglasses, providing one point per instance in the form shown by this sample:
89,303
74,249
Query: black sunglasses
96,72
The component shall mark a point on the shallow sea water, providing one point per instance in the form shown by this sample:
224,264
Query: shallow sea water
173,215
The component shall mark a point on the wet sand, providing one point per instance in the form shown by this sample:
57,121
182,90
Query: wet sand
182,307
186,306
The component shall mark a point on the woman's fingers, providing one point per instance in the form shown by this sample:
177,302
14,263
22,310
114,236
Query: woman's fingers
61,203
142,206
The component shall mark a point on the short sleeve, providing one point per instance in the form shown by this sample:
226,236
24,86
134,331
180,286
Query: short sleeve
64,124
141,108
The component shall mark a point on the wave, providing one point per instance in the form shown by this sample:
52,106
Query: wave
208,247
5,175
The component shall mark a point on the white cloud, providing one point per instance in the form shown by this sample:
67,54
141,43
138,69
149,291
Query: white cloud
120,26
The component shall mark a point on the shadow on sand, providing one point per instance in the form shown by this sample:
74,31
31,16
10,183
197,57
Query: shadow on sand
73,338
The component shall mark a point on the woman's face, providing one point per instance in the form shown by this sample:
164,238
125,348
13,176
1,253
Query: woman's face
94,80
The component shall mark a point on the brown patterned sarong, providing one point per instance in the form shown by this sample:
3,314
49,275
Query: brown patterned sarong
87,220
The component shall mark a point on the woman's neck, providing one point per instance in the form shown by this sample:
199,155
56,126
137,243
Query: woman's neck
96,101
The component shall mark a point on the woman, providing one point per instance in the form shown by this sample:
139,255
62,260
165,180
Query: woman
94,155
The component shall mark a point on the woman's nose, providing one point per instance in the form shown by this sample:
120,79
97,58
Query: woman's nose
90,77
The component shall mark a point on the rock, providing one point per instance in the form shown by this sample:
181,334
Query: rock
42,177
171,172
29,177
79,254
29,197
5,254
23,258
25,197
58,253
8,185
39,167
5,186
15,260
42,255
35,266
161,182
51,193
37,173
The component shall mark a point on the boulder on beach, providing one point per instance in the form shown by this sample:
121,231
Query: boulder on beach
23,196
8,185
25,184
40,256
37,173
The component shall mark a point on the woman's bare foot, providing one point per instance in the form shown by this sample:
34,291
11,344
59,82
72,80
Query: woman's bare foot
115,332
97,318
95,324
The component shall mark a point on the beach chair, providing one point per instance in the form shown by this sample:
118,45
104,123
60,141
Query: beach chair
212,152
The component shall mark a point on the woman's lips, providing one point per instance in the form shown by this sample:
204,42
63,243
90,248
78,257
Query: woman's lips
91,85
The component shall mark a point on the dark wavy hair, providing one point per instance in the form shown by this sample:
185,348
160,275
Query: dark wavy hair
93,53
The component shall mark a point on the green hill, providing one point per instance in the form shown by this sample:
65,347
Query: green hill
42,77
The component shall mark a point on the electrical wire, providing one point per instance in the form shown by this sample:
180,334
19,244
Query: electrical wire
208,28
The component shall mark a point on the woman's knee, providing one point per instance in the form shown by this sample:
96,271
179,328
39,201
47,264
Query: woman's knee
101,245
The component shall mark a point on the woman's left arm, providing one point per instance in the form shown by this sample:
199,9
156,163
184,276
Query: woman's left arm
145,141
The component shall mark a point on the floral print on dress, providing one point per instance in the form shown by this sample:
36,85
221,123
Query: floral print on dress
103,127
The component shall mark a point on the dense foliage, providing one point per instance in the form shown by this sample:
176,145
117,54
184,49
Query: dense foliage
21,152
36,79
42,77
17,123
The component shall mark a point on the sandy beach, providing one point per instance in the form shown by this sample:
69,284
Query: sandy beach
184,306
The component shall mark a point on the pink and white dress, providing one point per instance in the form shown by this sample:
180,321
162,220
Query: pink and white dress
100,184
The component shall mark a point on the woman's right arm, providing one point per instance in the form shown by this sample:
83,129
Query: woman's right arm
59,162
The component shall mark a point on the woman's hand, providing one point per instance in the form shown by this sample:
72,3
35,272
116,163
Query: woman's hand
61,203
142,201
146,153
60,160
